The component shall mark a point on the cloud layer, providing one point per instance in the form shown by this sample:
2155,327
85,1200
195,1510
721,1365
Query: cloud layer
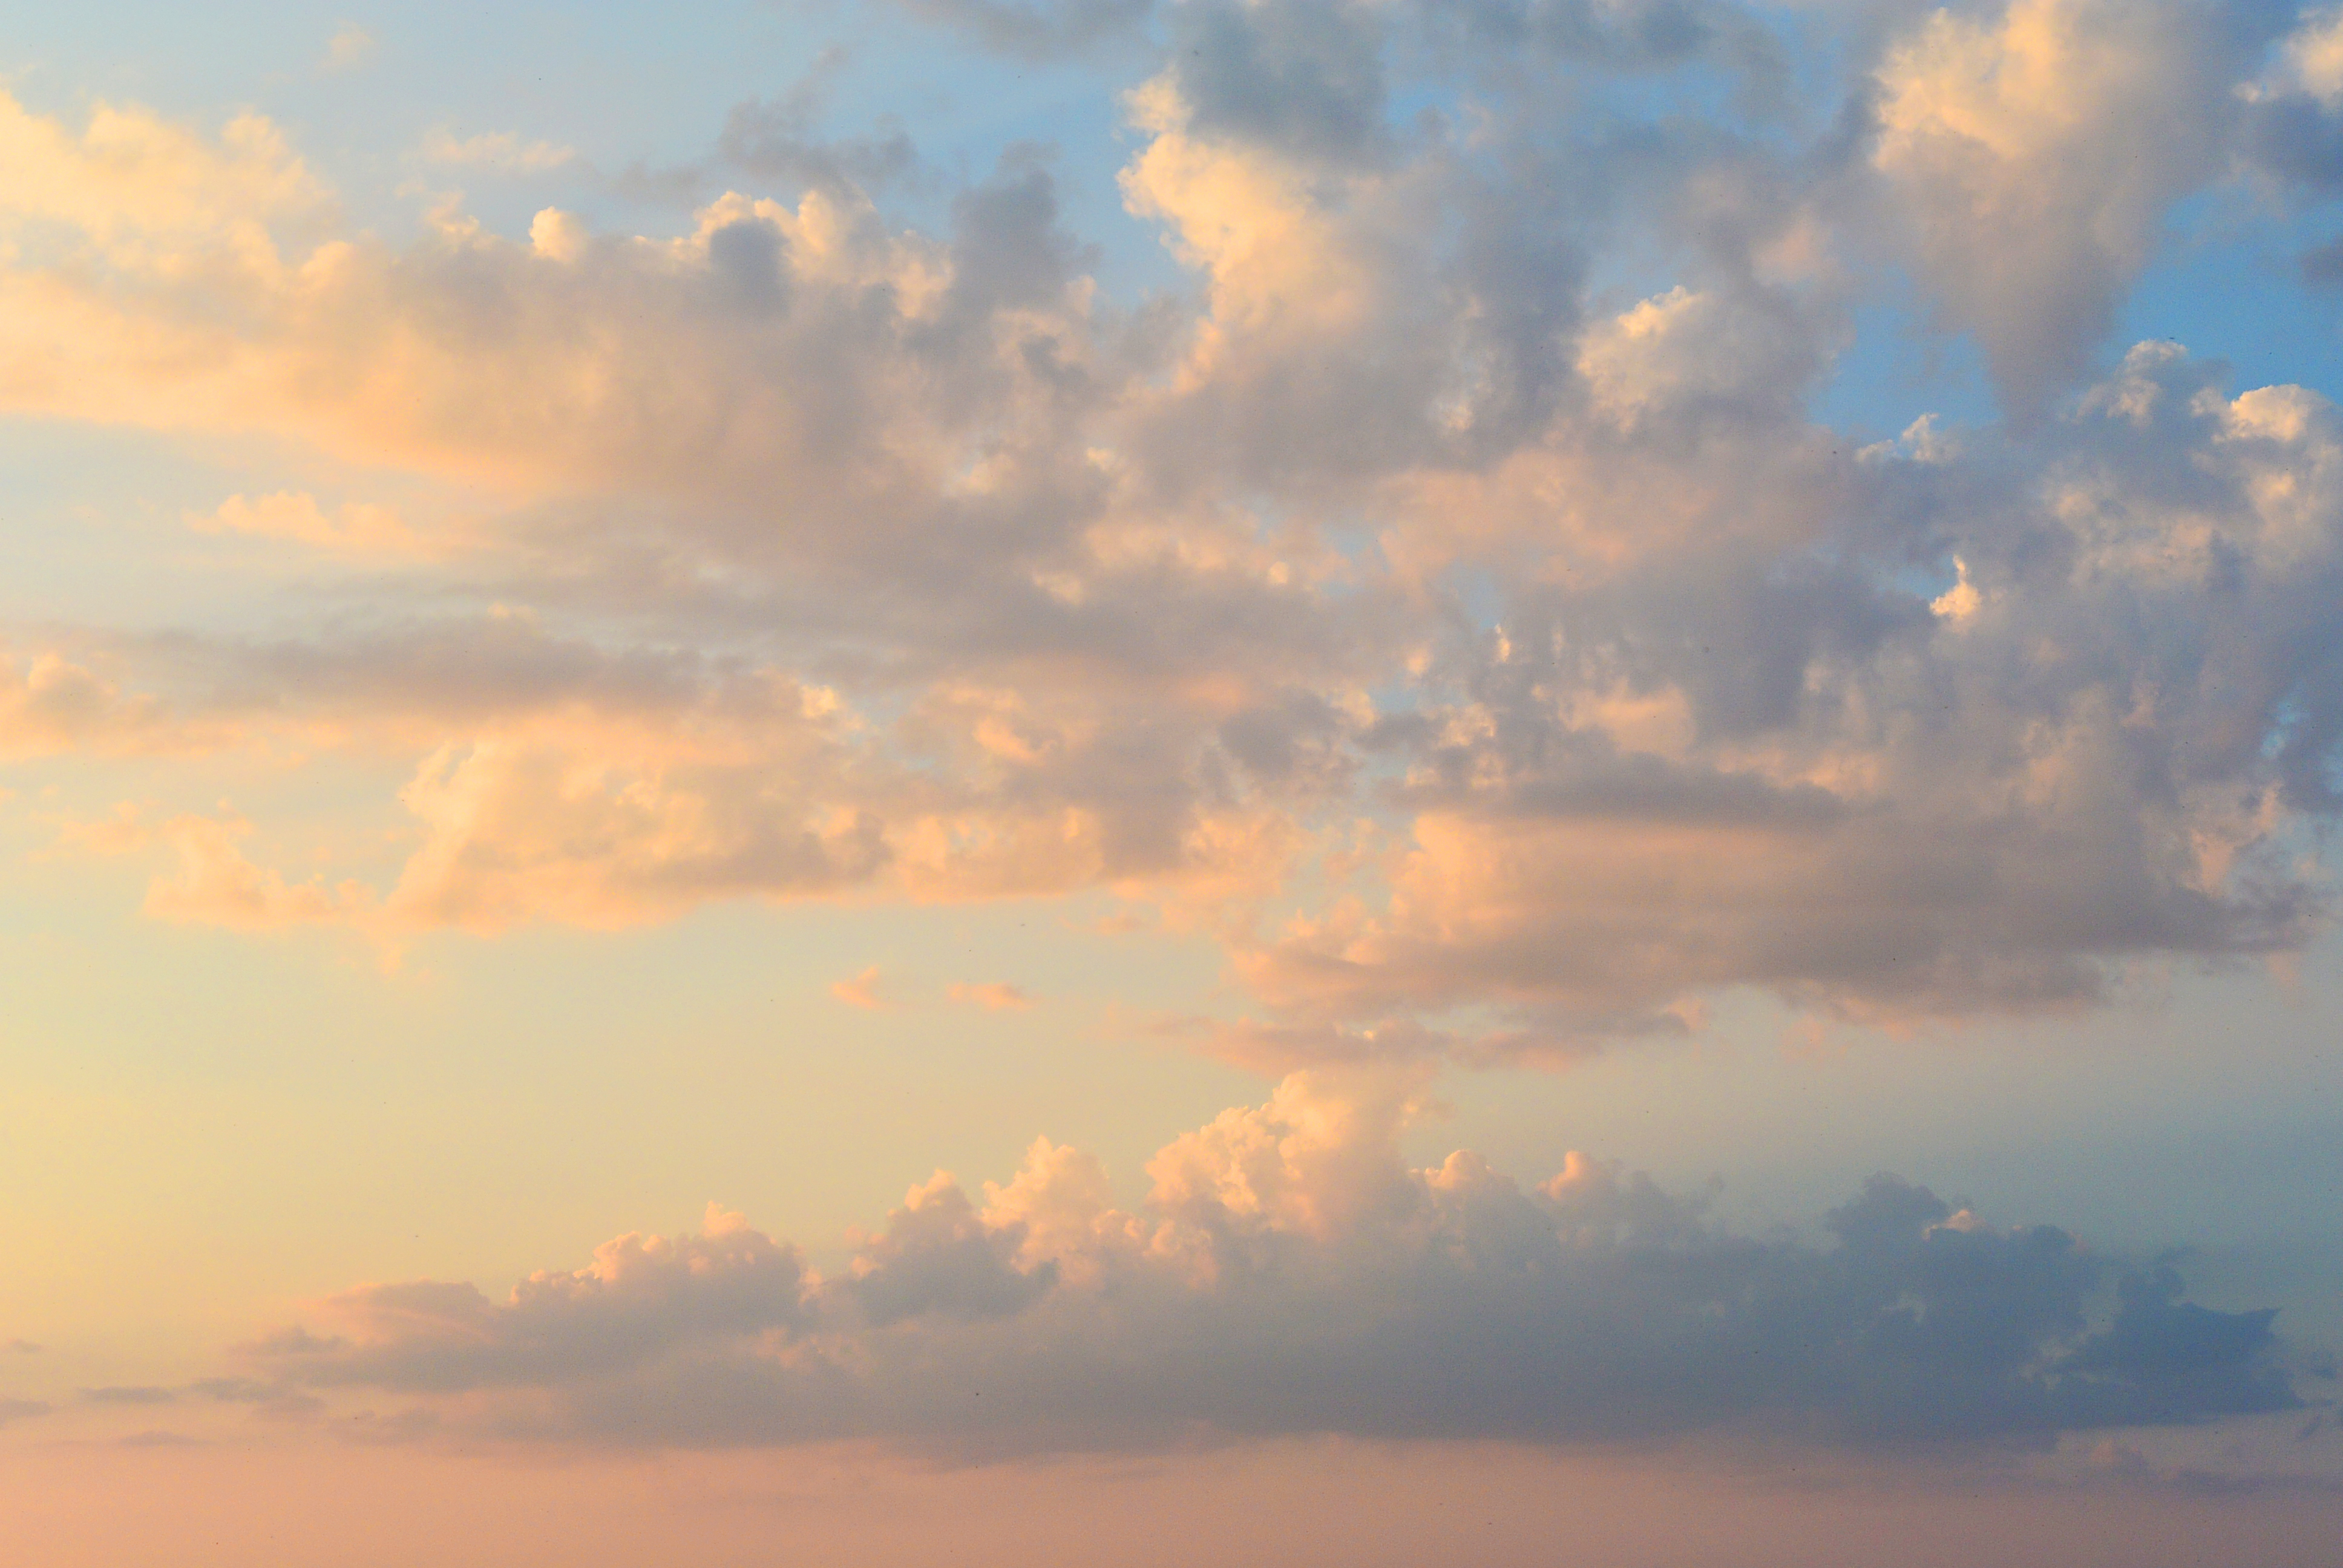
1445,599
1290,1273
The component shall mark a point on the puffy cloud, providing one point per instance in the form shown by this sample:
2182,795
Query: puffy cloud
1290,1272
131,176
642,1299
2035,151
50,704
1795,787
216,885
1446,601
1683,349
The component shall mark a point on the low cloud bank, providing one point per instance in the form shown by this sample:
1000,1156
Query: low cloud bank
1290,1273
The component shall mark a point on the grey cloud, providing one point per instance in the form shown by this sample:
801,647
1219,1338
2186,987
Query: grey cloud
129,1395
641,1299
1284,1279
1304,79
1470,489
15,1410
936,1255
2125,563
2322,265
2032,194
777,139
1038,29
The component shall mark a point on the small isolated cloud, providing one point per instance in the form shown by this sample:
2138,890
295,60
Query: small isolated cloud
862,990
13,1410
21,1348
350,47
994,996
498,150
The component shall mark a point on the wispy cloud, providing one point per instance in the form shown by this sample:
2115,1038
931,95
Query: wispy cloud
350,47
499,150
865,989
994,996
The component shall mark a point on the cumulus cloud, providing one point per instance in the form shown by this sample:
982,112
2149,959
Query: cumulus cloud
1289,1272
2035,151
1444,599
50,704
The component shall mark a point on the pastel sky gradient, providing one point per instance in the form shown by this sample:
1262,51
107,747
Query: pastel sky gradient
1201,781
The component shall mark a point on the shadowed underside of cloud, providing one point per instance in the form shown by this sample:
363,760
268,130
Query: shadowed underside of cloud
1497,661
1289,1273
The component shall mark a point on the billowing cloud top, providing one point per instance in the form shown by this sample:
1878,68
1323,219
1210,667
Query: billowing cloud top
1290,1273
1446,598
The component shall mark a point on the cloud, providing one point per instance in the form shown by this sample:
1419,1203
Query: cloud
861,990
1731,801
350,47
1289,1272
50,704
216,885
499,150
15,1410
641,1298
2034,150
355,528
1037,29
993,996
1443,599
128,1396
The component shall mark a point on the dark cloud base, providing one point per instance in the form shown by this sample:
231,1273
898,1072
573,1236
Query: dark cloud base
1284,1280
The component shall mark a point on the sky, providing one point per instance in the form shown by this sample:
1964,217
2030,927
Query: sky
1187,781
